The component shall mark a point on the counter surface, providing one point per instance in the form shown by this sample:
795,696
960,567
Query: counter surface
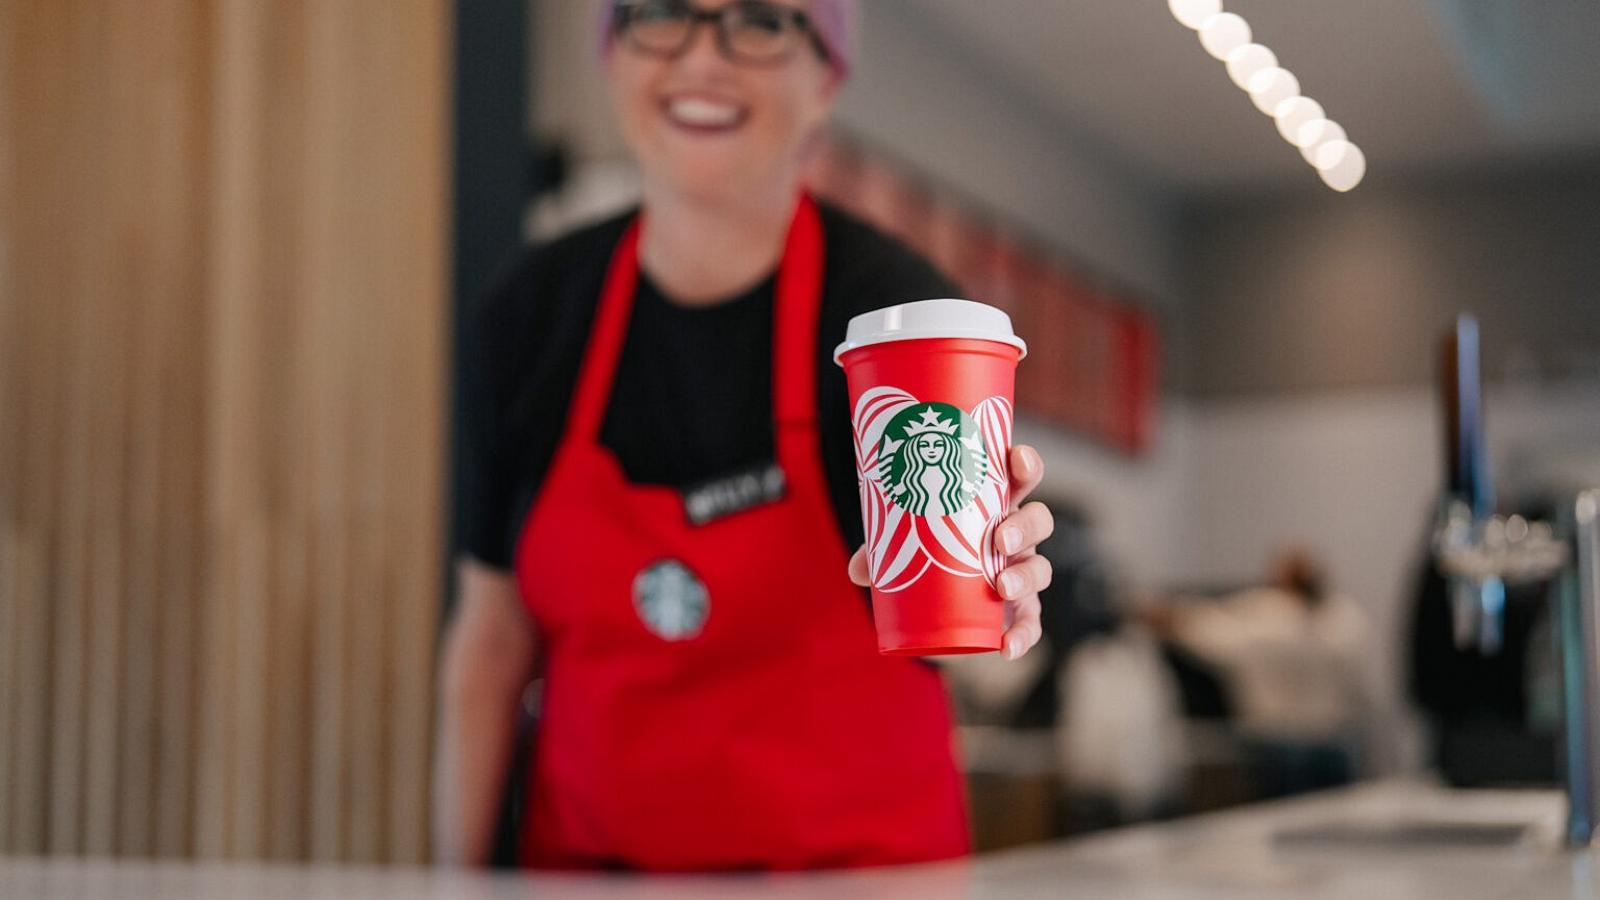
1373,842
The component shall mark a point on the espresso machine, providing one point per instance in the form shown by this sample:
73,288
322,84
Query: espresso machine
1481,552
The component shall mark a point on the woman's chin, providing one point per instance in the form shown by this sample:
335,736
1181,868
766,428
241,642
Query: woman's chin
717,183
722,172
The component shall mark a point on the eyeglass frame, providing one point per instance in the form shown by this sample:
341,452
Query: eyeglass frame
715,18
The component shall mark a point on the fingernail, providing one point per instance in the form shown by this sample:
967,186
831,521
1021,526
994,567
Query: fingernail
1010,582
1013,649
1010,540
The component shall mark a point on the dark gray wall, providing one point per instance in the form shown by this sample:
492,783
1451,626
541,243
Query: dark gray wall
490,179
1323,290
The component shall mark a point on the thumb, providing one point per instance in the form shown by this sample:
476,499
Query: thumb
858,567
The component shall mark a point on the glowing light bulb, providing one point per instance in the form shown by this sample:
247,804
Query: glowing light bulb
1247,60
1224,33
1317,131
1270,87
1347,169
1194,13
1328,154
1294,113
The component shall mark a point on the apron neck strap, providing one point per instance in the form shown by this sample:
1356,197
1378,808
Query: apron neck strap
605,338
794,321
794,340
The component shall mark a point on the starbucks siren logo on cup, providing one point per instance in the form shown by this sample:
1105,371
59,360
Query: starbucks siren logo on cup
938,463
931,385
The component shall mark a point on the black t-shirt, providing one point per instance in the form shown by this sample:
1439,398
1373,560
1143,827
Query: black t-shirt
692,398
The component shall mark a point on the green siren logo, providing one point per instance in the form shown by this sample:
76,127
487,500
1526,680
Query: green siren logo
932,459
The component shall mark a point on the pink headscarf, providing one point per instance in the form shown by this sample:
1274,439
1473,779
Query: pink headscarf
835,21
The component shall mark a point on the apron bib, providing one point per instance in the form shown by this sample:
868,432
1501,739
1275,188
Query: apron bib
713,695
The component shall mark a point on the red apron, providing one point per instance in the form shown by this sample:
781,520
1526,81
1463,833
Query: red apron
763,730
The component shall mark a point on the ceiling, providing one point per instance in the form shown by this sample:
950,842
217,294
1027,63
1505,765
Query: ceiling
1419,84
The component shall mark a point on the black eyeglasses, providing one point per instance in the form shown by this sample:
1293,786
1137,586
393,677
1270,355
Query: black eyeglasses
748,31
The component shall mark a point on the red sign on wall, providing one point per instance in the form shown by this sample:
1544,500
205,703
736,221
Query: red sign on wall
1093,356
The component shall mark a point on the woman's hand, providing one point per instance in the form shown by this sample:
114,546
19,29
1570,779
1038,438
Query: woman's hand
1026,572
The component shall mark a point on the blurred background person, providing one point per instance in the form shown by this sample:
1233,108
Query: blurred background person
1290,654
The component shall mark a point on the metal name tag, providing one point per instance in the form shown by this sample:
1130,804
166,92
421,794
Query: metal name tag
735,493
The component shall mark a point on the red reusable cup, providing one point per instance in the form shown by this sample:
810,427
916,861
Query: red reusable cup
931,385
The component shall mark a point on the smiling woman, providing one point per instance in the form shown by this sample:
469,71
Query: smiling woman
713,696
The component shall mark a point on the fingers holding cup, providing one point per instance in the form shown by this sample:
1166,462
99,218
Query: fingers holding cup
1024,529
1024,628
1027,470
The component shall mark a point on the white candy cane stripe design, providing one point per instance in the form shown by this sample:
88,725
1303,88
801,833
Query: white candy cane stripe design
988,508
958,543
948,547
899,561
993,559
994,420
873,411
894,555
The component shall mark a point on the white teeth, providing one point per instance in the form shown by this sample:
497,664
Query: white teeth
695,111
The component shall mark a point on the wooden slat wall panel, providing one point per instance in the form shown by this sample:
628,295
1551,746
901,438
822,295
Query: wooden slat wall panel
222,281
334,429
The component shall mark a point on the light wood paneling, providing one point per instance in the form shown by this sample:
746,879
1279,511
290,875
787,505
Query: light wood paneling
222,311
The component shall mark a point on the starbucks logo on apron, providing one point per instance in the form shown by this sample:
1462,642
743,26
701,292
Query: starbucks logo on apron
934,485
670,600
932,459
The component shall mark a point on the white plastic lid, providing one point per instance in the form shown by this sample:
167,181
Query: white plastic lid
926,319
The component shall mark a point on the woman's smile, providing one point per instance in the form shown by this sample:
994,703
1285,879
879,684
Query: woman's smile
703,113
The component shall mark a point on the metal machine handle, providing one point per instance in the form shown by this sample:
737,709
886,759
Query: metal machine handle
1477,602
1578,634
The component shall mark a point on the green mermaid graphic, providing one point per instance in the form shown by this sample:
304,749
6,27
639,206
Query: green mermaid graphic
932,459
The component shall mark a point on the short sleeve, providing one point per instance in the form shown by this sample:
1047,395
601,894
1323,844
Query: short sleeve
485,481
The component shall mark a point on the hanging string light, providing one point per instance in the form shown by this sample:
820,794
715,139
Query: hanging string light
1274,90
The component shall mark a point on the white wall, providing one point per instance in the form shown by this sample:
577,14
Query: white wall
568,95
1137,505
